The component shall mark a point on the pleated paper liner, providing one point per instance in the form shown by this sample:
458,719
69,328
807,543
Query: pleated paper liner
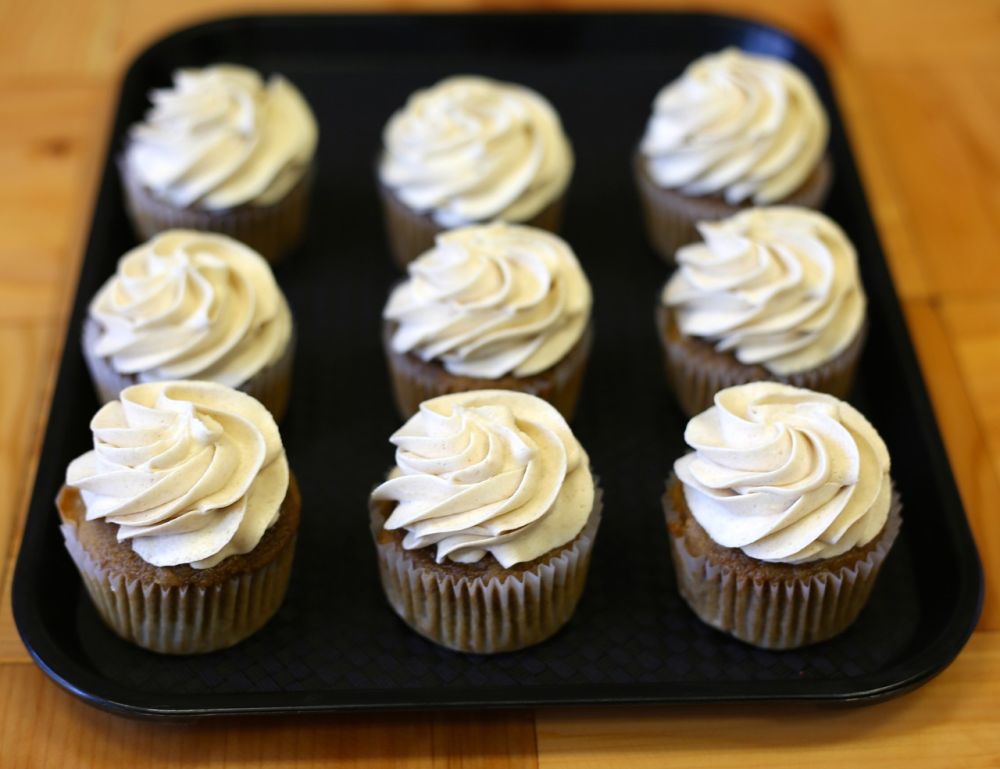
771,605
415,380
468,609
696,371
411,234
180,610
271,385
273,230
670,216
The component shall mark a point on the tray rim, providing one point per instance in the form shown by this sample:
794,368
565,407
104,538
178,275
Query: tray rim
99,692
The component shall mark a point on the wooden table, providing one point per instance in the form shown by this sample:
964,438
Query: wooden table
920,84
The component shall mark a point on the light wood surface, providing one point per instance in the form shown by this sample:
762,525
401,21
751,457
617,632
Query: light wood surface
919,81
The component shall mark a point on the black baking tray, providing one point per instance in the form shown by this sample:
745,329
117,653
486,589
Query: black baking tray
335,644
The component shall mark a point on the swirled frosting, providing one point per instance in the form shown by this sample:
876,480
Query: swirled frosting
776,286
191,305
470,149
492,300
189,472
488,471
785,474
743,126
221,138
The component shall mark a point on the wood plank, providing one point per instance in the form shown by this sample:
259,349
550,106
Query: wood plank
949,722
21,389
809,19
968,451
946,178
926,31
69,40
42,726
49,150
974,327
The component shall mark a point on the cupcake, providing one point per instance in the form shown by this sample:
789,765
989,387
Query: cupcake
223,151
485,526
497,306
782,515
191,305
771,293
466,151
735,130
182,519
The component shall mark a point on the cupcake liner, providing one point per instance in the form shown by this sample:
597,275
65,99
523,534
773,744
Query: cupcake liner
787,612
271,385
470,613
415,380
411,234
273,230
670,216
696,371
186,618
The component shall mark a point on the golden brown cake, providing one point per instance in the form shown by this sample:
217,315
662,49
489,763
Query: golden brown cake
780,519
192,305
735,129
484,528
769,294
182,520
470,150
223,151
496,306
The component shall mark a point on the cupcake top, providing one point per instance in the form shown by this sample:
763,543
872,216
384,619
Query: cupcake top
741,126
488,471
775,286
785,474
191,305
222,138
471,149
492,300
190,472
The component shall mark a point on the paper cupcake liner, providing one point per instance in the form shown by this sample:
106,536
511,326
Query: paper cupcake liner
470,613
696,371
415,380
670,216
273,230
781,613
182,619
411,234
271,385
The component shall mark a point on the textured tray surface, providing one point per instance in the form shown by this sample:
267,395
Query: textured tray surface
335,643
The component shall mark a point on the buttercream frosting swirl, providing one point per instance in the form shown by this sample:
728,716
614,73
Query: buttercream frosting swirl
189,472
470,149
776,286
488,471
221,137
191,305
744,126
785,474
492,300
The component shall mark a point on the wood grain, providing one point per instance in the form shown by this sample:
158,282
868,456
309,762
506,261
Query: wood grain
919,83
41,727
951,722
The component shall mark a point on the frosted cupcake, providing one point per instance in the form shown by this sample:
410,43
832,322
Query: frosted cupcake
182,519
781,516
191,305
471,150
735,130
771,293
485,526
223,151
495,306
